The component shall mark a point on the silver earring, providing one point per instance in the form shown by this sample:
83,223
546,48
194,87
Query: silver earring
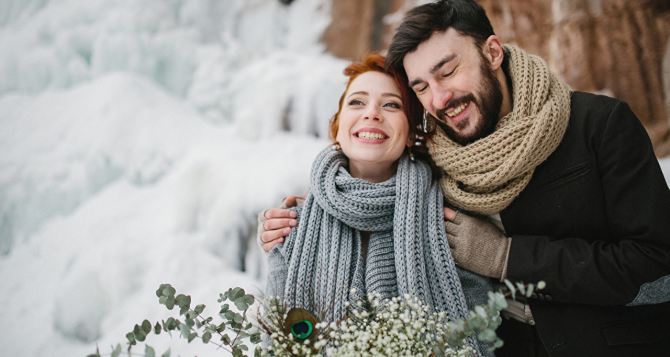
336,146
411,155
424,126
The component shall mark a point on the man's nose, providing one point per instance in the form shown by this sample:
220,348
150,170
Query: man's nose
441,96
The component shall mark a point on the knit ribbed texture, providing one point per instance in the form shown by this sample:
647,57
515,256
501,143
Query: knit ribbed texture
487,175
407,253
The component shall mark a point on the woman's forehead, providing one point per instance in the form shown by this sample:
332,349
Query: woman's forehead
373,82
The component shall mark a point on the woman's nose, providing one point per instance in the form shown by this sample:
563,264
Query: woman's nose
372,112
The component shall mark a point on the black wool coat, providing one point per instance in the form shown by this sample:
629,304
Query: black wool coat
594,224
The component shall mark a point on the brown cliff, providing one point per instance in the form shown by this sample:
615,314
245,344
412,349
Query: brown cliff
617,47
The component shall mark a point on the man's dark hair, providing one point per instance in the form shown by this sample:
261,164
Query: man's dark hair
464,16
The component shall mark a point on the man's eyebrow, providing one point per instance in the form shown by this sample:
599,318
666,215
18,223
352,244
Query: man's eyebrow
435,68
441,63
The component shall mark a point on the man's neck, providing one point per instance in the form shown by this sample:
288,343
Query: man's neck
505,80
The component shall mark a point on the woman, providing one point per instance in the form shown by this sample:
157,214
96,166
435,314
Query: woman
348,236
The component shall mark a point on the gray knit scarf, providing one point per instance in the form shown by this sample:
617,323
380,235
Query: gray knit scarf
407,253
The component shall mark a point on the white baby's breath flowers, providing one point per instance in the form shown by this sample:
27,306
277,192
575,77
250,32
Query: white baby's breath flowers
400,326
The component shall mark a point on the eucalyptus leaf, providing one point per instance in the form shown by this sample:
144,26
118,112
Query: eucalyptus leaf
236,293
146,326
206,337
149,351
255,338
168,290
225,339
159,291
183,301
241,304
192,336
131,338
229,315
169,302
237,352
116,352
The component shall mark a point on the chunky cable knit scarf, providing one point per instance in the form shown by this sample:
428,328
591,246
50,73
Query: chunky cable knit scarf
407,253
487,175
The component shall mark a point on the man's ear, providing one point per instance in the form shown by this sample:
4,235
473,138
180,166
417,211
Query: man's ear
493,52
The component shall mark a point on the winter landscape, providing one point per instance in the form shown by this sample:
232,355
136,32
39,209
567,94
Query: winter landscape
138,141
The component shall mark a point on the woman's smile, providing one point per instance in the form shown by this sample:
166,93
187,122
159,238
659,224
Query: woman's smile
369,135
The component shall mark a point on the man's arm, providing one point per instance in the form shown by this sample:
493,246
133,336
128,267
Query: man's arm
632,250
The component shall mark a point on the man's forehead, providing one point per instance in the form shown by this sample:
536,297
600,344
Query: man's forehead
439,46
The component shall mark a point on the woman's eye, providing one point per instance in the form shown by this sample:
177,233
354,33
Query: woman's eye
356,102
393,105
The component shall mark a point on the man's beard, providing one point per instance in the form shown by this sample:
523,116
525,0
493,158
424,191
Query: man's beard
488,104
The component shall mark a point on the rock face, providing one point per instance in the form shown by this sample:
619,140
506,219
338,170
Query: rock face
616,47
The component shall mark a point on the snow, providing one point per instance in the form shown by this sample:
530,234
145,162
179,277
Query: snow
138,141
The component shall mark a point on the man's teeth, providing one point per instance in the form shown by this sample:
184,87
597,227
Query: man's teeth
452,112
368,135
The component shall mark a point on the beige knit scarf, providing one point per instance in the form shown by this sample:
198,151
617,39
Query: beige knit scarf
488,174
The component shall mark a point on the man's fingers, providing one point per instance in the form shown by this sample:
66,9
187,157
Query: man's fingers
279,213
268,246
269,236
451,244
451,228
291,201
449,214
277,223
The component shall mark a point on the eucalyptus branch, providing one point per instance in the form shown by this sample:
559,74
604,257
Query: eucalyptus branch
244,318
379,327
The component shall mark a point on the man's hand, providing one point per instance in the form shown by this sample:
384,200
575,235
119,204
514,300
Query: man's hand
275,223
476,244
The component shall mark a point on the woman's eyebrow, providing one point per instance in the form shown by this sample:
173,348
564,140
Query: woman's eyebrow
359,92
391,95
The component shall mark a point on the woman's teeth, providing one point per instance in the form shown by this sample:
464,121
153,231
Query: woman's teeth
452,112
367,135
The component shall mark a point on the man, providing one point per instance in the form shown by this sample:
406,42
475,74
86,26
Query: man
570,177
